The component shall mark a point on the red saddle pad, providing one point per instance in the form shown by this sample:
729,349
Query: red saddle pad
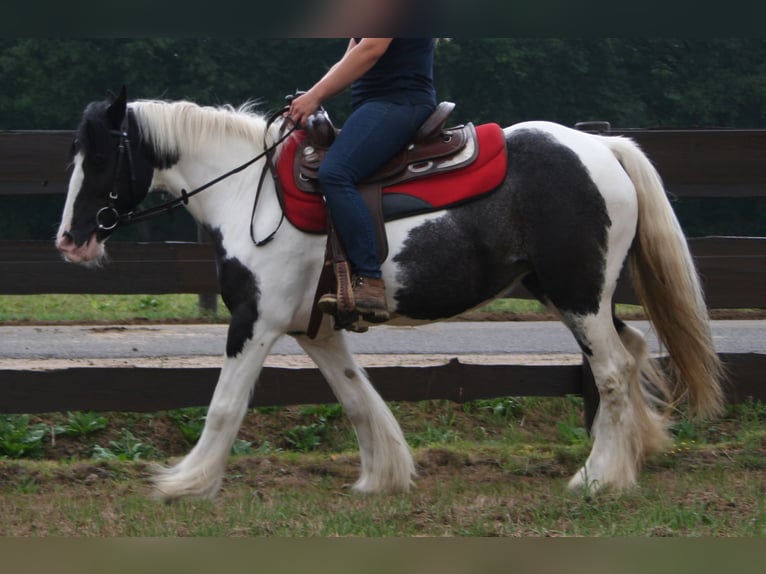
306,211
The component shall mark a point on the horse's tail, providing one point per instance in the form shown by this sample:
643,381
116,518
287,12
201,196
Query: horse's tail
668,286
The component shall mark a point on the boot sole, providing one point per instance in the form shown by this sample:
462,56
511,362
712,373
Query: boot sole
374,315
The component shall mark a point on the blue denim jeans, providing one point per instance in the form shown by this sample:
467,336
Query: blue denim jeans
373,134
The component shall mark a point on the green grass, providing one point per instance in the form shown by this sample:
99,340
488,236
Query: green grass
106,308
488,468
174,307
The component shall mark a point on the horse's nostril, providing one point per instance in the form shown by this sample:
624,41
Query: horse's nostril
65,239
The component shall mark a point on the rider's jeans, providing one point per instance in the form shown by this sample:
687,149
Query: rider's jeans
374,133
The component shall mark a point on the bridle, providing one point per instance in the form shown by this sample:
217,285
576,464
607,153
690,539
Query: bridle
109,217
123,150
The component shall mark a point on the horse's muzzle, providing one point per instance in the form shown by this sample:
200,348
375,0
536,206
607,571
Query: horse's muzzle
90,251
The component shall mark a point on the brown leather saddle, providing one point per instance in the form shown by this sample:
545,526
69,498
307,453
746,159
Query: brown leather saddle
434,149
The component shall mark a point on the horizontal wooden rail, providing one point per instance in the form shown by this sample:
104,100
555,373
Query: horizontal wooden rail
733,270
34,267
34,162
154,389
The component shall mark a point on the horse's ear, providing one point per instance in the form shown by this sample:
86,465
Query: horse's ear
117,107
110,96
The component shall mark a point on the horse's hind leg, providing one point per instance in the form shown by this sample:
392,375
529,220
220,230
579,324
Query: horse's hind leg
387,464
626,427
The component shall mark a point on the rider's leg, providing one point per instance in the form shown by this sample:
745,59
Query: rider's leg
372,135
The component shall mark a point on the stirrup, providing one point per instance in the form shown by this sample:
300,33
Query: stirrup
349,321
328,303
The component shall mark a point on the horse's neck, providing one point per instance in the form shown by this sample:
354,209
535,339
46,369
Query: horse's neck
209,143
227,205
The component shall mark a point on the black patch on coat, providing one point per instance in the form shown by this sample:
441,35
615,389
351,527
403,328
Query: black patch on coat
240,294
547,221
160,160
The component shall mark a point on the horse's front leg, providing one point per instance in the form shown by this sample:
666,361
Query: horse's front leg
200,473
387,464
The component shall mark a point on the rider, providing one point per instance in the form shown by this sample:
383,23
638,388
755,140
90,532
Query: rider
392,94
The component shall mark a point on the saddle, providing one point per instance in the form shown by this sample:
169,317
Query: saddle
434,149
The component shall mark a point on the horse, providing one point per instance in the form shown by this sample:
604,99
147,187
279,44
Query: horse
571,209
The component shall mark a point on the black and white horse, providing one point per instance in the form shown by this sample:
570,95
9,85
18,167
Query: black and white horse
570,210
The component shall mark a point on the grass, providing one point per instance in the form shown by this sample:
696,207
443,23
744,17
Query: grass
106,308
169,307
487,468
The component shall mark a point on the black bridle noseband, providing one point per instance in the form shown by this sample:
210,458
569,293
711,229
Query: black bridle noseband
123,149
108,218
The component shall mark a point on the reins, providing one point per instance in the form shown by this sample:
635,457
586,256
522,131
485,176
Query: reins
165,207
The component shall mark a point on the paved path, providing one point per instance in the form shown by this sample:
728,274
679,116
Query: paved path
449,338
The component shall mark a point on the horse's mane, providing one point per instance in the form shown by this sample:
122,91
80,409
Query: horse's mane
172,126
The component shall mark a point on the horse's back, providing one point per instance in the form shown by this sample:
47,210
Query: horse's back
566,153
591,149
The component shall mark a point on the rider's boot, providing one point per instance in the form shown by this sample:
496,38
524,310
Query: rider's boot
370,299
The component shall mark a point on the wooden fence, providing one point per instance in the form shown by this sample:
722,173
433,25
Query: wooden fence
693,163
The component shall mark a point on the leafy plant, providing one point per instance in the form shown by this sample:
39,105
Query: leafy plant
505,407
19,439
190,421
308,437
433,435
749,411
305,438
571,433
686,430
128,447
241,447
324,412
82,423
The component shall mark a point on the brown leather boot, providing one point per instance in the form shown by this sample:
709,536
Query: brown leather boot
370,299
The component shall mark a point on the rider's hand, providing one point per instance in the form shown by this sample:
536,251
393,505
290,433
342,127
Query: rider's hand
302,107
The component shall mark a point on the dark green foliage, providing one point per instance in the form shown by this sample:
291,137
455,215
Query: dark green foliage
629,82
82,423
19,438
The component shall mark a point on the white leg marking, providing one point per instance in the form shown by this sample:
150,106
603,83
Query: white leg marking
200,473
626,427
387,464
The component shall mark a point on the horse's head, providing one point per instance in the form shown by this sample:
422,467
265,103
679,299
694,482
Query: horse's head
111,176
